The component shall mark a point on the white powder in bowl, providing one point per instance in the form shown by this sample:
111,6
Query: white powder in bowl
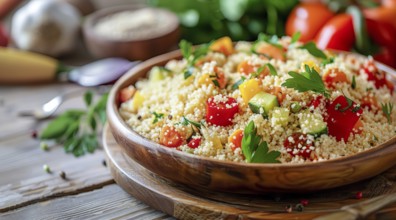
135,24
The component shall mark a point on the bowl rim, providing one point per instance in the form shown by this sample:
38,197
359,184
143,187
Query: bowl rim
91,20
129,133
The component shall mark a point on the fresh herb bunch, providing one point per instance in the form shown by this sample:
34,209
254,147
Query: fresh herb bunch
77,129
192,54
254,149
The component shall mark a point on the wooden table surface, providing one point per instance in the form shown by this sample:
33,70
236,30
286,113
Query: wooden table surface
28,192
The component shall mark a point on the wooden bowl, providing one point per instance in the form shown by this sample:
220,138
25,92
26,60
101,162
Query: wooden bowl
211,174
140,48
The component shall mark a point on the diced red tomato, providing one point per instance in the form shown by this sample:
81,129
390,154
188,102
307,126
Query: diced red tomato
126,93
376,75
334,76
357,129
170,137
341,119
316,101
369,101
194,142
221,112
236,139
271,51
299,144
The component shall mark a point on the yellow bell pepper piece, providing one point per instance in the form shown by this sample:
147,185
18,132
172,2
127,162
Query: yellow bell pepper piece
248,89
137,101
311,65
223,45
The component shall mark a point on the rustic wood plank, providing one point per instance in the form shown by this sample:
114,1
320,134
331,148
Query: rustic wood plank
109,202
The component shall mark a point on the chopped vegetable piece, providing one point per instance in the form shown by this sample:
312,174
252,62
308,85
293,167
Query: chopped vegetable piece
302,145
376,75
342,117
221,112
312,123
271,51
158,73
295,107
262,103
170,137
248,89
313,50
236,139
194,142
137,101
280,116
223,45
126,93
334,76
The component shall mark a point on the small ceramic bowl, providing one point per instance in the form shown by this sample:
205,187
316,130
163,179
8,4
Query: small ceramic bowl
131,43
216,175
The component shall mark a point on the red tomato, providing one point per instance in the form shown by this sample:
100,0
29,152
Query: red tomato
316,101
3,37
337,33
385,13
170,137
377,76
221,79
334,76
221,112
340,119
383,34
194,142
307,18
236,139
299,144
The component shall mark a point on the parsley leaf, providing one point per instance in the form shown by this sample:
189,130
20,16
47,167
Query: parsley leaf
255,150
186,122
239,82
157,116
76,129
192,54
313,50
272,69
353,85
306,81
296,36
387,109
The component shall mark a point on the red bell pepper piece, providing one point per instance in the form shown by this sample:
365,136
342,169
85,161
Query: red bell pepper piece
337,33
221,112
299,144
170,137
194,142
342,116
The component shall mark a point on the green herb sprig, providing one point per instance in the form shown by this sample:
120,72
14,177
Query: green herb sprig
254,149
239,82
309,80
77,129
296,36
387,109
313,50
186,122
157,117
192,54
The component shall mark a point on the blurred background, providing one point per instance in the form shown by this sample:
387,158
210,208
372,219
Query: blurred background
364,26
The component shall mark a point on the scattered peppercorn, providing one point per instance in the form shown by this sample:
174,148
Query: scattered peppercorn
139,117
34,134
304,202
104,163
46,168
359,195
44,146
299,207
170,117
62,174
289,208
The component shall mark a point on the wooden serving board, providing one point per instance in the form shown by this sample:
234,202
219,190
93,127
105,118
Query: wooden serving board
186,203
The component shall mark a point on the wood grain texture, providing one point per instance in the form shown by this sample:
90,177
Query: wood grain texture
200,172
188,203
109,202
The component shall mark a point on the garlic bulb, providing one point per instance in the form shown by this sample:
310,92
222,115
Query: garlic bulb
46,26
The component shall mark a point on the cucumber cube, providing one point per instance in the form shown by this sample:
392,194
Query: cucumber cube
263,103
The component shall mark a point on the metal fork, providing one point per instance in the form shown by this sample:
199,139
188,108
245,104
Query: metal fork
50,107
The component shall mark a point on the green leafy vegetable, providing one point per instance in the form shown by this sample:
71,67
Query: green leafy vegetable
353,85
77,129
313,50
296,36
327,61
254,149
387,109
272,69
186,122
192,55
239,82
306,81
157,116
